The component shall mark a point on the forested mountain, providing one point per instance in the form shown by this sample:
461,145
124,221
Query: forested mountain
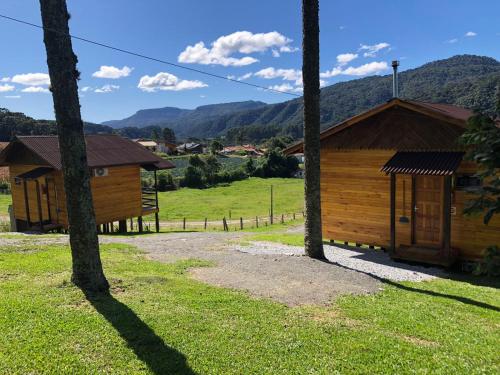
16,123
167,115
465,80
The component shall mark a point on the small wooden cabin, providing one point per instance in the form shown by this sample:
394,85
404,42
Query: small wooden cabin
395,177
38,196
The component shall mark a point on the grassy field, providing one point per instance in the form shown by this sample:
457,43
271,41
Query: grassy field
5,201
247,199
159,321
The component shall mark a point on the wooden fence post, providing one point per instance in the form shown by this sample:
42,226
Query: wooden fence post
241,223
256,221
184,224
282,219
205,223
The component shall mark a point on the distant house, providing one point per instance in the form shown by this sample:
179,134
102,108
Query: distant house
148,143
190,148
38,194
167,147
395,177
248,150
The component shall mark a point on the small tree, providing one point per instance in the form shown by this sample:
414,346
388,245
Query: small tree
483,136
212,167
168,135
216,147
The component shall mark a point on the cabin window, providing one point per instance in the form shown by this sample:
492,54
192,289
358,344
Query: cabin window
468,182
18,181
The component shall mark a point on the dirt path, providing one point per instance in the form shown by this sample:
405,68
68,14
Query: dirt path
292,280
268,270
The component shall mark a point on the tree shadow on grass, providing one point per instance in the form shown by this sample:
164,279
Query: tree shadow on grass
147,346
466,300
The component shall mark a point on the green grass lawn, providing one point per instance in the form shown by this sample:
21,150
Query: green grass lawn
247,199
160,321
292,239
5,201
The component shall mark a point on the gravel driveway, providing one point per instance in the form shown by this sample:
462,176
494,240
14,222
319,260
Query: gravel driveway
272,270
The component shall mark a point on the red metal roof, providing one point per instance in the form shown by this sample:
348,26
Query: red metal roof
437,163
102,151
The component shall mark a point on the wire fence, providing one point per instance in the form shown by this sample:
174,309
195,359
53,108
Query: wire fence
223,224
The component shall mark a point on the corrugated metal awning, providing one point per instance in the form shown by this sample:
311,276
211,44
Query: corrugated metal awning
35,173
436,163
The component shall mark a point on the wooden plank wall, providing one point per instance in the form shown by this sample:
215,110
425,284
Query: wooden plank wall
356,204
355,196
18,201
468,233
116,196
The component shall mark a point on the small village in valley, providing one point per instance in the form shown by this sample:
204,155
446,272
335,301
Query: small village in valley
317,193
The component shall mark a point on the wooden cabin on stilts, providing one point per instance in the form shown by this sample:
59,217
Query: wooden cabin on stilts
395,177
38,195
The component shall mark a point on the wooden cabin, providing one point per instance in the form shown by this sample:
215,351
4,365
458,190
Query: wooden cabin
395,177
38,196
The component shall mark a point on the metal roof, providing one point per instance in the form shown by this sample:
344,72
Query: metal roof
436,163
104,150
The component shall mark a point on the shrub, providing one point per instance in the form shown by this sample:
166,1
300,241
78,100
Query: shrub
276,164
192,178
165,182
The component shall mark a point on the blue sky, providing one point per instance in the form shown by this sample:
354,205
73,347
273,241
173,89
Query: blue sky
257,41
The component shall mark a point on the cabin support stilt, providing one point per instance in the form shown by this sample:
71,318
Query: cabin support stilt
139,224
122,226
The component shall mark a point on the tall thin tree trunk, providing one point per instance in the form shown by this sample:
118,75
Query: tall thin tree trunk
310,74
87,267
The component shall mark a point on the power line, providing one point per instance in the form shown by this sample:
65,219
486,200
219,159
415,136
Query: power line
149,57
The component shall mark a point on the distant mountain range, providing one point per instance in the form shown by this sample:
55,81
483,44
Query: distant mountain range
465,80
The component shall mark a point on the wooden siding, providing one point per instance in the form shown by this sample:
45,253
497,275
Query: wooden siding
18,201
355,196
356,204
116,196
397,128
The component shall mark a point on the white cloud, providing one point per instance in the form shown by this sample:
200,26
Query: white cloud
374,67
286,87
107,89
32,79
285,74
86,88
276,53
243,42
331,73
452,41
167,82
112,72
35,89
5,79
245,76
470,34
322,83
7,88
345,58
12,96
371,50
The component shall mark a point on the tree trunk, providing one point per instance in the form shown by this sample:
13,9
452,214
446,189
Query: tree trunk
87,267
310,74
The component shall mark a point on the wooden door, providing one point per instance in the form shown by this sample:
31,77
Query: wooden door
51,200
428,210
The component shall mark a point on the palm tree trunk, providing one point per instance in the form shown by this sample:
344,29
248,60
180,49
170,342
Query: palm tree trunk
310,74
87,267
